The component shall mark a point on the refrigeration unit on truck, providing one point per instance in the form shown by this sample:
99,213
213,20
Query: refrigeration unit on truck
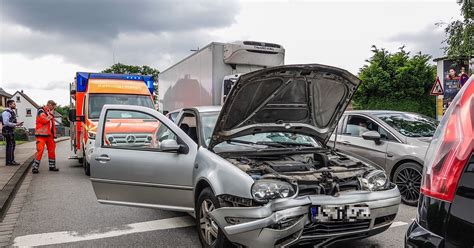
206,76
89,93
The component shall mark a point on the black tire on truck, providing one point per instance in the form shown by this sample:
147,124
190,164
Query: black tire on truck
86,165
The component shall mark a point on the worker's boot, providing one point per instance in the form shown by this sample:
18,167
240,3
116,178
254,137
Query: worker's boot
52,165
35,166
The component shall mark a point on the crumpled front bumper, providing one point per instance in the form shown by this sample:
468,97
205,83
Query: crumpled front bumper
283,222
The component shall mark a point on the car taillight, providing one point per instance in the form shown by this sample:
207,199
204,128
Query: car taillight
451,147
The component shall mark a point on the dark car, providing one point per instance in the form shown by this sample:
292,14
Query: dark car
445,210
396,141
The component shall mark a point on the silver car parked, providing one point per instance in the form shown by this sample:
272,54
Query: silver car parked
396,141
258,172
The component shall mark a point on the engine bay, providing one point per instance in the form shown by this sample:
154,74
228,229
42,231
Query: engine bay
323,172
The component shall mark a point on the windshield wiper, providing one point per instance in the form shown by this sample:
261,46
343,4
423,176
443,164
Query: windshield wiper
286,143
270,143
256,143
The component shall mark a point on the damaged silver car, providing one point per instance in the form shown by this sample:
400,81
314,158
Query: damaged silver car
257,173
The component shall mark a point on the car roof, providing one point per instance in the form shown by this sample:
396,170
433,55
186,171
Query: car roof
205,109
374,112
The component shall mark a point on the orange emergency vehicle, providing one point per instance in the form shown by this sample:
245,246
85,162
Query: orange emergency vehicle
89,93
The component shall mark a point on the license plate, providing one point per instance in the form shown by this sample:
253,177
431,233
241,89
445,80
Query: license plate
339,213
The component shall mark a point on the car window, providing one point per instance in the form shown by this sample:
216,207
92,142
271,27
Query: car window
385,135
97,101
173,116
357,125
208,122
131,129
188,124
409,124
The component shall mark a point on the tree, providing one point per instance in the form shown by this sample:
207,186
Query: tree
64,111
133,69
460,33
397,81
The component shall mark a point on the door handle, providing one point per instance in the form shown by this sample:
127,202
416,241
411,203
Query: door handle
346,142
389,154
102,158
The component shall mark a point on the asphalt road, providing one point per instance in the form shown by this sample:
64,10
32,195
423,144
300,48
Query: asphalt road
61,210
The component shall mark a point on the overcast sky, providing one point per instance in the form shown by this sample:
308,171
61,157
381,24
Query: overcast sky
44,42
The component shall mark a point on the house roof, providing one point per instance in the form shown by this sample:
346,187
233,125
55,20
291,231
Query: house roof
4,93
28,99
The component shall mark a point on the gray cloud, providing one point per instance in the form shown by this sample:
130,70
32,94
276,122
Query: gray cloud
37,86
428,40
90,32
91,19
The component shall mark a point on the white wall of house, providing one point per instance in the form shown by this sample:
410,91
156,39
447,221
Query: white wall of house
26,112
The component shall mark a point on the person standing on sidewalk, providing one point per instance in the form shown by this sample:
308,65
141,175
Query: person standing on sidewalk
9,122
45,133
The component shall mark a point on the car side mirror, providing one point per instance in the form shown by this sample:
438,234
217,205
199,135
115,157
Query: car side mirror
170,145
72,115
372,135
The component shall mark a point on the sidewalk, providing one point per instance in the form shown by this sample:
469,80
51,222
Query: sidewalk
10,176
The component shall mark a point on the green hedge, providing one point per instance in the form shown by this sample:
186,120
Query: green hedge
20,134
425,106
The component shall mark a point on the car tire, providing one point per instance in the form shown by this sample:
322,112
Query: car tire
86,165
408,177
207,227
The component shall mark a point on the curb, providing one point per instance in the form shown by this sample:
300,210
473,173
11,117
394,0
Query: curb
9,191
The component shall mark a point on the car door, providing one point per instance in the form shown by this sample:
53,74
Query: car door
132,163
351,139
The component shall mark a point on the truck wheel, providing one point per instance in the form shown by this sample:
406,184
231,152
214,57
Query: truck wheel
81,160
209,233
87,168
408,179
86,165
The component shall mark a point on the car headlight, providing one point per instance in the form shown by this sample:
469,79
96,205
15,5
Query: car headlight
91,135
375,180
265,190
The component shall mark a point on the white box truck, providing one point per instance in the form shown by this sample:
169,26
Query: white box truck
206,76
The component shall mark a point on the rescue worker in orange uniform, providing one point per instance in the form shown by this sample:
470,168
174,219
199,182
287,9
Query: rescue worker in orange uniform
45,133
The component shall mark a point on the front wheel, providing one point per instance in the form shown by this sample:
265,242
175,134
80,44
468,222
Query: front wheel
209,233
408,179
86,165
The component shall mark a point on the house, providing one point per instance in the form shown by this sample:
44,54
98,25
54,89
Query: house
26,110
4,96
58,118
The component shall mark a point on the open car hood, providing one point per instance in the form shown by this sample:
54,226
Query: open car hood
306,99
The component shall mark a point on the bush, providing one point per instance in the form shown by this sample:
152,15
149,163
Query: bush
422,106
21,134
397,81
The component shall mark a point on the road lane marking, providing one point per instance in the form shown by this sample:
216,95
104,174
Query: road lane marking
72,236
398,223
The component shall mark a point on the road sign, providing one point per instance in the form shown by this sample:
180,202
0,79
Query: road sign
437,88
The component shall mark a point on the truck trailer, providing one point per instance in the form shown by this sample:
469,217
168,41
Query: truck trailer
205,77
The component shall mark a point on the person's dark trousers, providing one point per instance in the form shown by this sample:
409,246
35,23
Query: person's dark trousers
10,147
